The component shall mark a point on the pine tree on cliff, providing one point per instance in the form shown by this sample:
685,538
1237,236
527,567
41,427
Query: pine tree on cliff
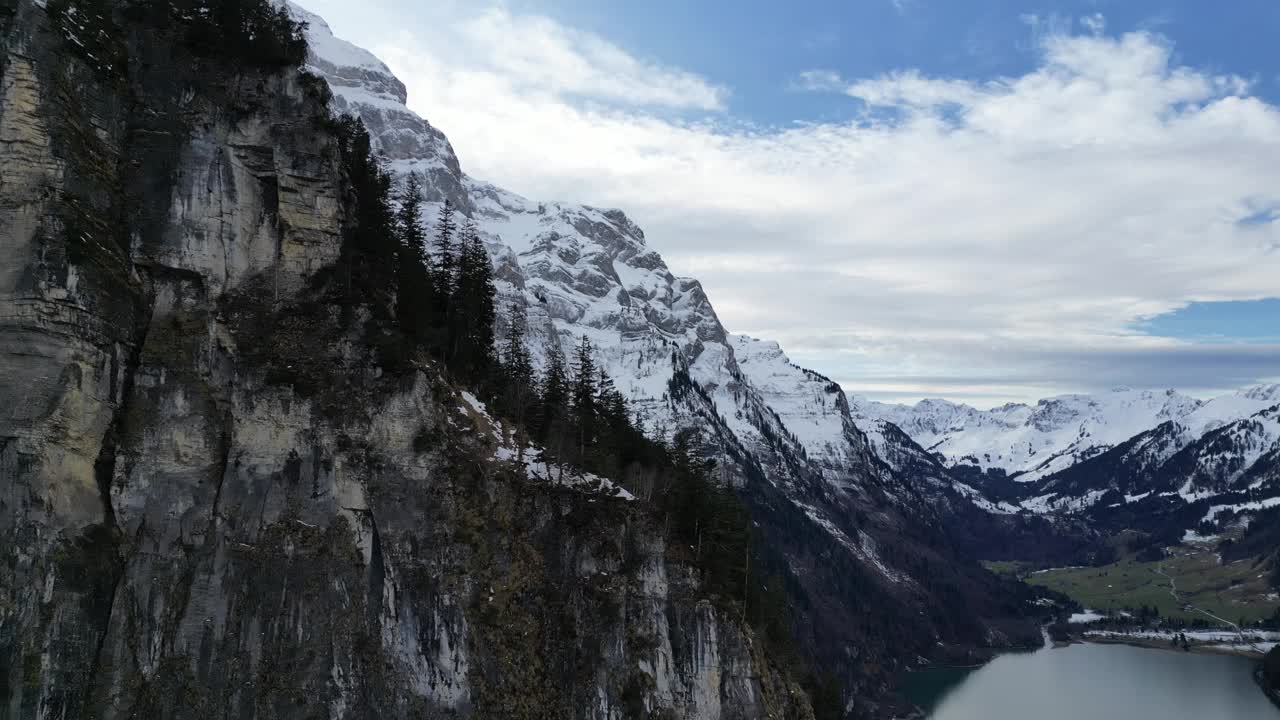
256,32
584,395
408,216
612,427
415,300
446,229
516,363
518,390
552,429
369,242
471,313
615,416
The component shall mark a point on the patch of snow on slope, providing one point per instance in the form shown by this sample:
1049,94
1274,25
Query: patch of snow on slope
556,475
1234,406
1241,507
865,548
1087,616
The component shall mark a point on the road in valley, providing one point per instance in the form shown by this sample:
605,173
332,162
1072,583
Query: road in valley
1173,590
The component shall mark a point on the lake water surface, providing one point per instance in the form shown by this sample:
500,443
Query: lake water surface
1095,682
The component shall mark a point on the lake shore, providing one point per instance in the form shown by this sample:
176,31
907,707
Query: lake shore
1095,680
1154,644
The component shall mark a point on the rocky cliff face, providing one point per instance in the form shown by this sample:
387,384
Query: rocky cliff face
213,501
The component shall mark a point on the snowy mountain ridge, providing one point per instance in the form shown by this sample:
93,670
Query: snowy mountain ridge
1125,459
1033,442
582,271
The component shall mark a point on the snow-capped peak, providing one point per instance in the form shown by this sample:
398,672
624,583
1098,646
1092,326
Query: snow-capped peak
583,271
1034,441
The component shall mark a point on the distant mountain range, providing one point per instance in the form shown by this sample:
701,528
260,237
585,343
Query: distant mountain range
1030,442
1162,461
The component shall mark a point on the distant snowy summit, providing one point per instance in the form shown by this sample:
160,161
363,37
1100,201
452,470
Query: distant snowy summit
1034,442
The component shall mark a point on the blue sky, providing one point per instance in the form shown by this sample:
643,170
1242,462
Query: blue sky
1256,321
984,200
757,46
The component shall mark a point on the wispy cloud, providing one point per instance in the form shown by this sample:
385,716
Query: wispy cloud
1094,23
1014,225
820,81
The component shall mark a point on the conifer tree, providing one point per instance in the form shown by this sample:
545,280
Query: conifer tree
517,366
446,229
369,241
415,300
552,419
518,391
470,312
584,394
555,387
408,218
481,316
613,431
611,405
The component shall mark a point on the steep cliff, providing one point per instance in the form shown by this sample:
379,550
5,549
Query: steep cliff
215,500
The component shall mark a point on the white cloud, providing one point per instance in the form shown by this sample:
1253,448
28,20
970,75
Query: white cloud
911,90
1094,23
529,55
980,229
537,53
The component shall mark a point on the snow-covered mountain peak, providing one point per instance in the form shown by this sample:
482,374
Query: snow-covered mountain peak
1033,441
364,86
347,67
1225,409
590,267
1059,432
811,408
579,270
1269,394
